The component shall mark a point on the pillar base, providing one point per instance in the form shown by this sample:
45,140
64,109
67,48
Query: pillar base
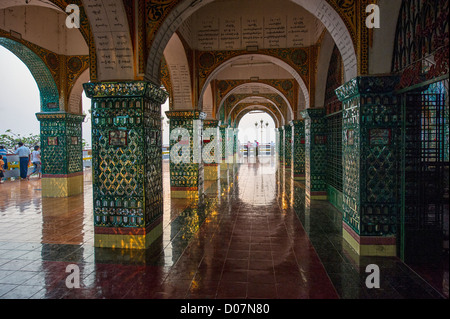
62,185
184,192
128,237
317,195
211,172
369,245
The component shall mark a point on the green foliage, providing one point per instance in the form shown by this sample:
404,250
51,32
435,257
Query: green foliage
10,140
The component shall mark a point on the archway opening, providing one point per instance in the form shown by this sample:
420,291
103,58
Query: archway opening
256,129
20,100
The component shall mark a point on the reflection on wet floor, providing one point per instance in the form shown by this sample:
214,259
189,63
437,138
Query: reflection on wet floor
254,235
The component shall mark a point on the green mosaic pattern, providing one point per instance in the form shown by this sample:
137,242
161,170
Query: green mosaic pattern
315,150
370,176
223,139
281,145
48,90
298,148
334,150
61,143
351,160
189,172
288,146
210,157
127,173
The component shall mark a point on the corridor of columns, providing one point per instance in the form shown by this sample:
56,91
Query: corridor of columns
340,193
250,239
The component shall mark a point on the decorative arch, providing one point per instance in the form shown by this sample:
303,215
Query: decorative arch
208,103
421,36
256,107
289,113
180,74
74,102
274,60
48,90
270,105
326,50
168,23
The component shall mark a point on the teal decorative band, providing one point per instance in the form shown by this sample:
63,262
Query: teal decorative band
60,115
367,85
125,89
211,123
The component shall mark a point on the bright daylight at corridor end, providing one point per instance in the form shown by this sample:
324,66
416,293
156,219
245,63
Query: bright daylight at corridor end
224,154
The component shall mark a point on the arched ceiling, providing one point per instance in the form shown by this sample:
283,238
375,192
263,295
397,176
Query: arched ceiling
255,94
38,3
217,25
238,116
43,24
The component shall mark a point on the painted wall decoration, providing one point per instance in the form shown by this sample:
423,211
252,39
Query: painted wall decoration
421,36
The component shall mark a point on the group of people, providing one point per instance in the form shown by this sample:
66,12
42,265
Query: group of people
25,157
255,145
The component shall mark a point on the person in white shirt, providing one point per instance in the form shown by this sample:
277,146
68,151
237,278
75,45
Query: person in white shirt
36,160
24,159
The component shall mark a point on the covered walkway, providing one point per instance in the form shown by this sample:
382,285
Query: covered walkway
250,239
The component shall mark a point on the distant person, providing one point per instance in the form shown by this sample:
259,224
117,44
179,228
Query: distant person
3,152
36,160
256,147
24,159
2,169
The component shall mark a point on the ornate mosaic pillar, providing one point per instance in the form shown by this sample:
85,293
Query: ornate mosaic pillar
298,150
281,146
315,153
62,154
211,150
126,163
370,158
236,152
227,152
186,165
287,148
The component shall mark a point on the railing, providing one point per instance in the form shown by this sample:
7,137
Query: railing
13,170
263,150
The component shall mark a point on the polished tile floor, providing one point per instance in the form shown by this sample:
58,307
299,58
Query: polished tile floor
250,238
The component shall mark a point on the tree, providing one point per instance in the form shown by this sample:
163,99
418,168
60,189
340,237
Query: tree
10,140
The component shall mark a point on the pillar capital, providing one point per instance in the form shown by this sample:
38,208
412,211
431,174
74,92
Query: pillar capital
312,113
367,85
125,89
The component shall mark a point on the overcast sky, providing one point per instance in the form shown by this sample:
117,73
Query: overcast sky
19,102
